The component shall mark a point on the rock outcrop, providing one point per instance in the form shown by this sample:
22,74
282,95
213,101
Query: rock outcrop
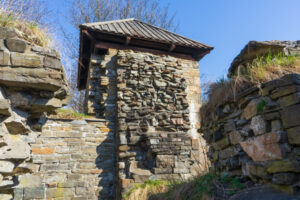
256,48
32,84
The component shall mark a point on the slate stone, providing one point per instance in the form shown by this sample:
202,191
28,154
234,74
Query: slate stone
6,196
228,152
262,193
18,150
294,135
258,125
18,193
53,63
159,83
7,33
284,166
79,122
4,58
6,166
271,116
229,126
16,45
217,135
221,144
291,116
289,100
263,148
284,178
251,109
235,137
283,91
29,78
26,60
5,107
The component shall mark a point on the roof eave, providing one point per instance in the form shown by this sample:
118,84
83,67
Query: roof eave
198,52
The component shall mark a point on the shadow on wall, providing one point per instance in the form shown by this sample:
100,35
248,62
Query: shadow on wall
105,162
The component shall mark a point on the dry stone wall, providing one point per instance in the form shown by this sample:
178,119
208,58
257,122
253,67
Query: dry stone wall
154,101
32,84
70,160
257,134
145,124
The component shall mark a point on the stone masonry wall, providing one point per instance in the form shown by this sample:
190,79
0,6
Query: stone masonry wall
145,109
71,160
32,84
153,100
257,135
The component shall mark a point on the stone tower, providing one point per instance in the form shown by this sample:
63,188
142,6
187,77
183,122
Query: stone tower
145,82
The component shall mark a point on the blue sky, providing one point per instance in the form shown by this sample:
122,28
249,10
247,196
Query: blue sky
228,25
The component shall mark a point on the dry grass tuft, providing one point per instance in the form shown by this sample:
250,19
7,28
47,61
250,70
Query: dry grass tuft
260,70
222,91
29,31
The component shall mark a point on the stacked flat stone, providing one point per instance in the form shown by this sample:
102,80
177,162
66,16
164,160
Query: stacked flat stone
152,98
257,134
71,160
32,84
148,98
175,155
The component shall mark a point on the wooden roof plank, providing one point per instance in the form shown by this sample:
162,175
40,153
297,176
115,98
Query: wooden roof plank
139,29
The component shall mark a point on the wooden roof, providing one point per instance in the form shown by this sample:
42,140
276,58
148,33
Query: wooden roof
136,35
138,29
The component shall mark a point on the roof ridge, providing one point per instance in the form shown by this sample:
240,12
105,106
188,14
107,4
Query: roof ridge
170,32
110,21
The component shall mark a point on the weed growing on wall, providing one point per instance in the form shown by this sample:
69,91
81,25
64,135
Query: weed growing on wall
261,69
27,30
268,67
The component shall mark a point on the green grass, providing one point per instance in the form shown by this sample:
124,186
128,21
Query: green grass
196,189
206,184
151,186
71,114
279,59
263,66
